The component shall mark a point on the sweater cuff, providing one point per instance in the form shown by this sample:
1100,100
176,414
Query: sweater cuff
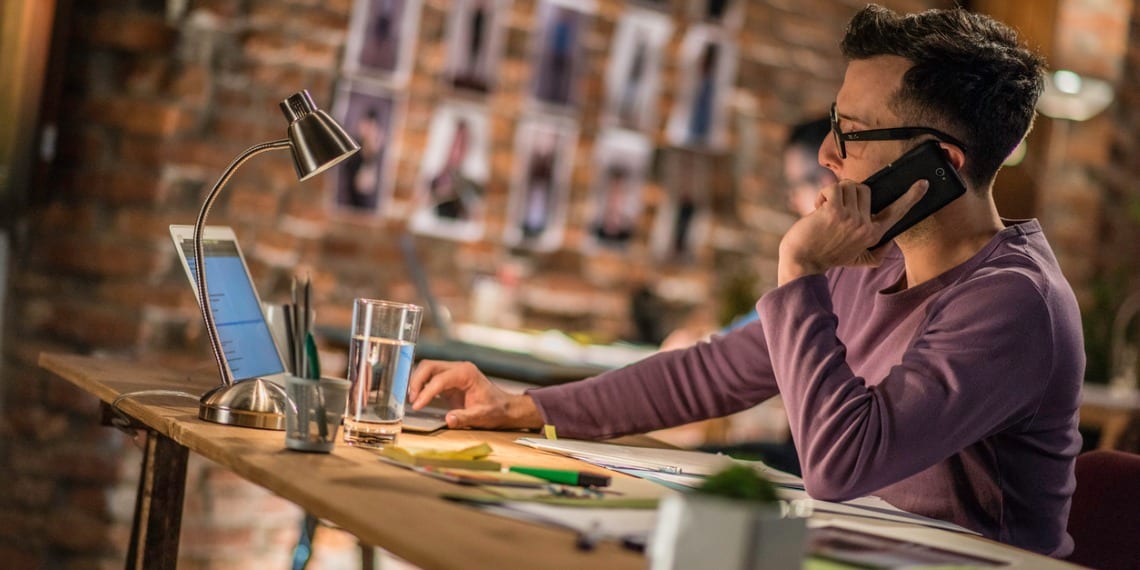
809,290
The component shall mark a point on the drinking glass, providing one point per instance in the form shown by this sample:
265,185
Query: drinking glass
380,355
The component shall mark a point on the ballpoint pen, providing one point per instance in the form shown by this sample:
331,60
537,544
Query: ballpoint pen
565,476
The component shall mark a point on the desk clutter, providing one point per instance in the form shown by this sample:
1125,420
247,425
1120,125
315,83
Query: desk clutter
656,502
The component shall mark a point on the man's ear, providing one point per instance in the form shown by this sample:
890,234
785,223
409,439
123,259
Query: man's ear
955,154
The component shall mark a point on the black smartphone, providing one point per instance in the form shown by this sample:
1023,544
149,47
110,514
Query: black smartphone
926,161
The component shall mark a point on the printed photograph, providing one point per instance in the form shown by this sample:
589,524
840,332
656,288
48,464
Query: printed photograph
450,189
540,187
621,159
475,33
362,184
633,73
681,226
727,13
381,39
708,70
557,50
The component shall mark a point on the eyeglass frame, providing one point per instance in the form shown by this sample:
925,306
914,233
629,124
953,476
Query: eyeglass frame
892,134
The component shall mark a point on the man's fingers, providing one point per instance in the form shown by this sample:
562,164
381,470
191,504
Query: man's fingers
429,379
863,201
461,418
900,207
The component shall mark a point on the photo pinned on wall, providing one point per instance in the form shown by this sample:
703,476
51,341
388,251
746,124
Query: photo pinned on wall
682,223
540,186
558,55
621,162
633,74
475,34
361,185
453,175
727,13
655,4
381,39
708,70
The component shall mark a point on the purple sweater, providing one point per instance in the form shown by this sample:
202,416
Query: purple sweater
956,399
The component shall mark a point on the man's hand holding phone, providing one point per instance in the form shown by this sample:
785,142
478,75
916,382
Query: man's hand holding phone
840,230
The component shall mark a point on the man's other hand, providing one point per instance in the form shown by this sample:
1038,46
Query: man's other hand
475,401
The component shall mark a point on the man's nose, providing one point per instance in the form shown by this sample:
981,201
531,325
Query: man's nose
829,155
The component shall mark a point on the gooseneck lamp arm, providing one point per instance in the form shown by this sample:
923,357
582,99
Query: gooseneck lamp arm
317,143
199,250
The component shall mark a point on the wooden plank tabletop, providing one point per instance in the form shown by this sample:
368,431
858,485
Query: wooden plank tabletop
396,509
402,511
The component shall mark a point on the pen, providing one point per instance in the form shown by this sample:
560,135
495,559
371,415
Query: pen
564,476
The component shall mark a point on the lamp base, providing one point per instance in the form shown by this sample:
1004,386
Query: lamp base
255,403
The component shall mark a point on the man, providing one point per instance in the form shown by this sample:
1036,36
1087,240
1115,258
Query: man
803,179
945,380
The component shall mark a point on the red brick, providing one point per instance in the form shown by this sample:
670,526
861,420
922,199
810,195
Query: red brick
210,155
85,256
327,23
122,186
191,85
74,530
66,217
85,463
21,554
27,493
106,327
147,76
131,31
140,116
38,424
267,46
88,499
315,54
133,292
66,397
85,145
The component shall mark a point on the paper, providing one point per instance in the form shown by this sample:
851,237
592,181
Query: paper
670,461
870,507
868,547
610,523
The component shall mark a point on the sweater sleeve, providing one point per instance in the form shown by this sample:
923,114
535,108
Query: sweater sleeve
730,373
978,365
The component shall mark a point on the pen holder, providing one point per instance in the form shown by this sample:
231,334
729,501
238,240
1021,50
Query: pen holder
313,413
694,531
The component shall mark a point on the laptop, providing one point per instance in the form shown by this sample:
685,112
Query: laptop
248,349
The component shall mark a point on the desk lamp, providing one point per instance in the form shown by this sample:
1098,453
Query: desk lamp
318,143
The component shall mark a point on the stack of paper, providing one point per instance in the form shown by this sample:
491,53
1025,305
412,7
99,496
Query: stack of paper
683,469
678,462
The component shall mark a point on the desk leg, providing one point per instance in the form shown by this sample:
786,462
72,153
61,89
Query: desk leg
158,507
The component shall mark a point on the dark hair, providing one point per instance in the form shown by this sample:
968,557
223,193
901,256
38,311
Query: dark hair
809,135
970,78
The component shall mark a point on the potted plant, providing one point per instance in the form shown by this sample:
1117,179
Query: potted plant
734,520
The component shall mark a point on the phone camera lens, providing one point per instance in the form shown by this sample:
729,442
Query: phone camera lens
939,172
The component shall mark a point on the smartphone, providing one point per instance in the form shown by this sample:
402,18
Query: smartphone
926,161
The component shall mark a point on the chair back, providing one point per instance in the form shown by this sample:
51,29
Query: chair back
1105,517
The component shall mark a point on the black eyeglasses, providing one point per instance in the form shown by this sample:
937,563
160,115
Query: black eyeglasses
895,134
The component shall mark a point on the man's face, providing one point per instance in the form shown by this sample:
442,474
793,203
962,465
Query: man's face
861,105
804,178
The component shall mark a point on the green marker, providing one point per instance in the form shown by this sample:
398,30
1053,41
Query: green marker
564,476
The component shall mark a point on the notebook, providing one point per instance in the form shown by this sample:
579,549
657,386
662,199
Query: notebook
247,344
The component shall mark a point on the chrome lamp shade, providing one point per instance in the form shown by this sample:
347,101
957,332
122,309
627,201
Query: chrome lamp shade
317,143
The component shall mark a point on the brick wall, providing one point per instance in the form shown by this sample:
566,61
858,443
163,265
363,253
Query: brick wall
154,109
1117,272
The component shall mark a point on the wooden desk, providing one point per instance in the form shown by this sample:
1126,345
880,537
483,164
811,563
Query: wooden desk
382,505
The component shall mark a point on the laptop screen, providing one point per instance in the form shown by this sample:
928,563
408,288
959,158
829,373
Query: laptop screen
245,337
